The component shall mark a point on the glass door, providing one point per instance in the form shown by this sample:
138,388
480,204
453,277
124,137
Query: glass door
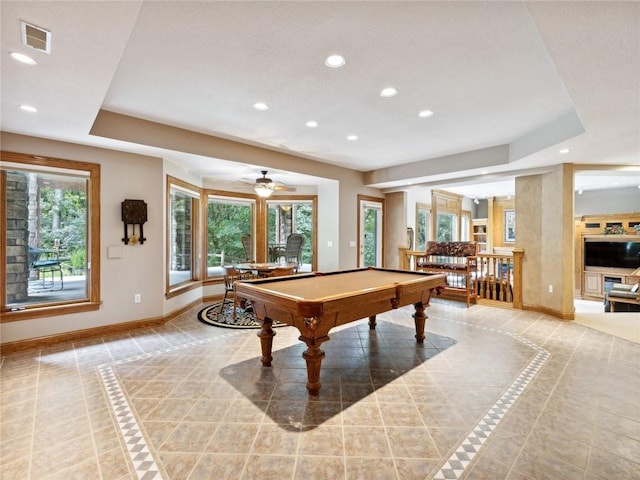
370,229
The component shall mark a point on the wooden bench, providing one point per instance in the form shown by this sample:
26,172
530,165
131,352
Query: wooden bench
457,260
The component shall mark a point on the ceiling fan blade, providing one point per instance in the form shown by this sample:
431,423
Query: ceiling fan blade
284,188
264,181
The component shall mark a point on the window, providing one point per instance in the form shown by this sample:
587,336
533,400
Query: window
184,201
447,209
423,226
287,216
465,226
51,247
230,237
446,227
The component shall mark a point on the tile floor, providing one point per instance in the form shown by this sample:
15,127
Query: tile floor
493,394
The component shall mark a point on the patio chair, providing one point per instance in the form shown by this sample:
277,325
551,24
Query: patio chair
46,261
246,245
293,249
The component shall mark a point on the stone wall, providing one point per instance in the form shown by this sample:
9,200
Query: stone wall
17,241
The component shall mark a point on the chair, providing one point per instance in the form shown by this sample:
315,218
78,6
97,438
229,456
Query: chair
231,276
293,249
246,244
46,261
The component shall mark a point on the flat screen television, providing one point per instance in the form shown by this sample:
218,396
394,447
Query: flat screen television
612,254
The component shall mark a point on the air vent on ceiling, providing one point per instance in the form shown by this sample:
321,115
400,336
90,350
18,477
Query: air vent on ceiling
35,37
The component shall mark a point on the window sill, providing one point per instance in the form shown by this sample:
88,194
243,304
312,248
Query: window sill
183,288
48,311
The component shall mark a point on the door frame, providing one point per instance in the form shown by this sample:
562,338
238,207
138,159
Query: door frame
363,200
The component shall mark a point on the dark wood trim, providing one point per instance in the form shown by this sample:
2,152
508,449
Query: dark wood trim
103,331
183,287
92,236
49,311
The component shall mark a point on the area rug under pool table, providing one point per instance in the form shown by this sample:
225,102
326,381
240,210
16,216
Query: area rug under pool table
211,315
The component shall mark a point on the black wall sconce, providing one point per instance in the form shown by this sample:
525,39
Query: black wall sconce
134,212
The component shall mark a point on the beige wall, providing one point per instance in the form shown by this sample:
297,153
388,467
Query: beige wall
351,183
140,269
544,229
544,226
395,228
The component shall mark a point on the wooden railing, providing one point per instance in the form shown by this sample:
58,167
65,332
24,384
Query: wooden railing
498,279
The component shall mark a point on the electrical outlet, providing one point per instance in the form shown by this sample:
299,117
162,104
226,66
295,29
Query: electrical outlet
550,288
137,298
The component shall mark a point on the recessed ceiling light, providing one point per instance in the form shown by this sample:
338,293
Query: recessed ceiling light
311,124
388,92
352,138
335,61
22,58
425,113
261,106
564,150
28,108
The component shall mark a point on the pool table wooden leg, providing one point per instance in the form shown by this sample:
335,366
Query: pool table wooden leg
372,322
313,355
266,335
421,319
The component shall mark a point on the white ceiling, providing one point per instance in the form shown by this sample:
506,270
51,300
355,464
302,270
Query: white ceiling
532,77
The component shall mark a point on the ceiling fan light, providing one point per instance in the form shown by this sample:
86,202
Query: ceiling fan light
263,191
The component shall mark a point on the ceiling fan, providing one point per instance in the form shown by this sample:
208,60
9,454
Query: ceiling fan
264,186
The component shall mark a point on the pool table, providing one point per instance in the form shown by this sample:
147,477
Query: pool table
314,303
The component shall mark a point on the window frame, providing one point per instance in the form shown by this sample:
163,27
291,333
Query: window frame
311,200
195,279
92,301
233,197
422,209
446,203
465,226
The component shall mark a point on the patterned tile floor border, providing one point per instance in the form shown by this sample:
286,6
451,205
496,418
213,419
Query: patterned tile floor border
147,469
470,446
144,464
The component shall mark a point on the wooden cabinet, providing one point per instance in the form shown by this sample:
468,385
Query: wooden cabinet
596,284
593,282
481,234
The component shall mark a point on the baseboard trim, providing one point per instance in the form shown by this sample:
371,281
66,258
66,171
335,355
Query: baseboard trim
103,331
550,311
119,328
